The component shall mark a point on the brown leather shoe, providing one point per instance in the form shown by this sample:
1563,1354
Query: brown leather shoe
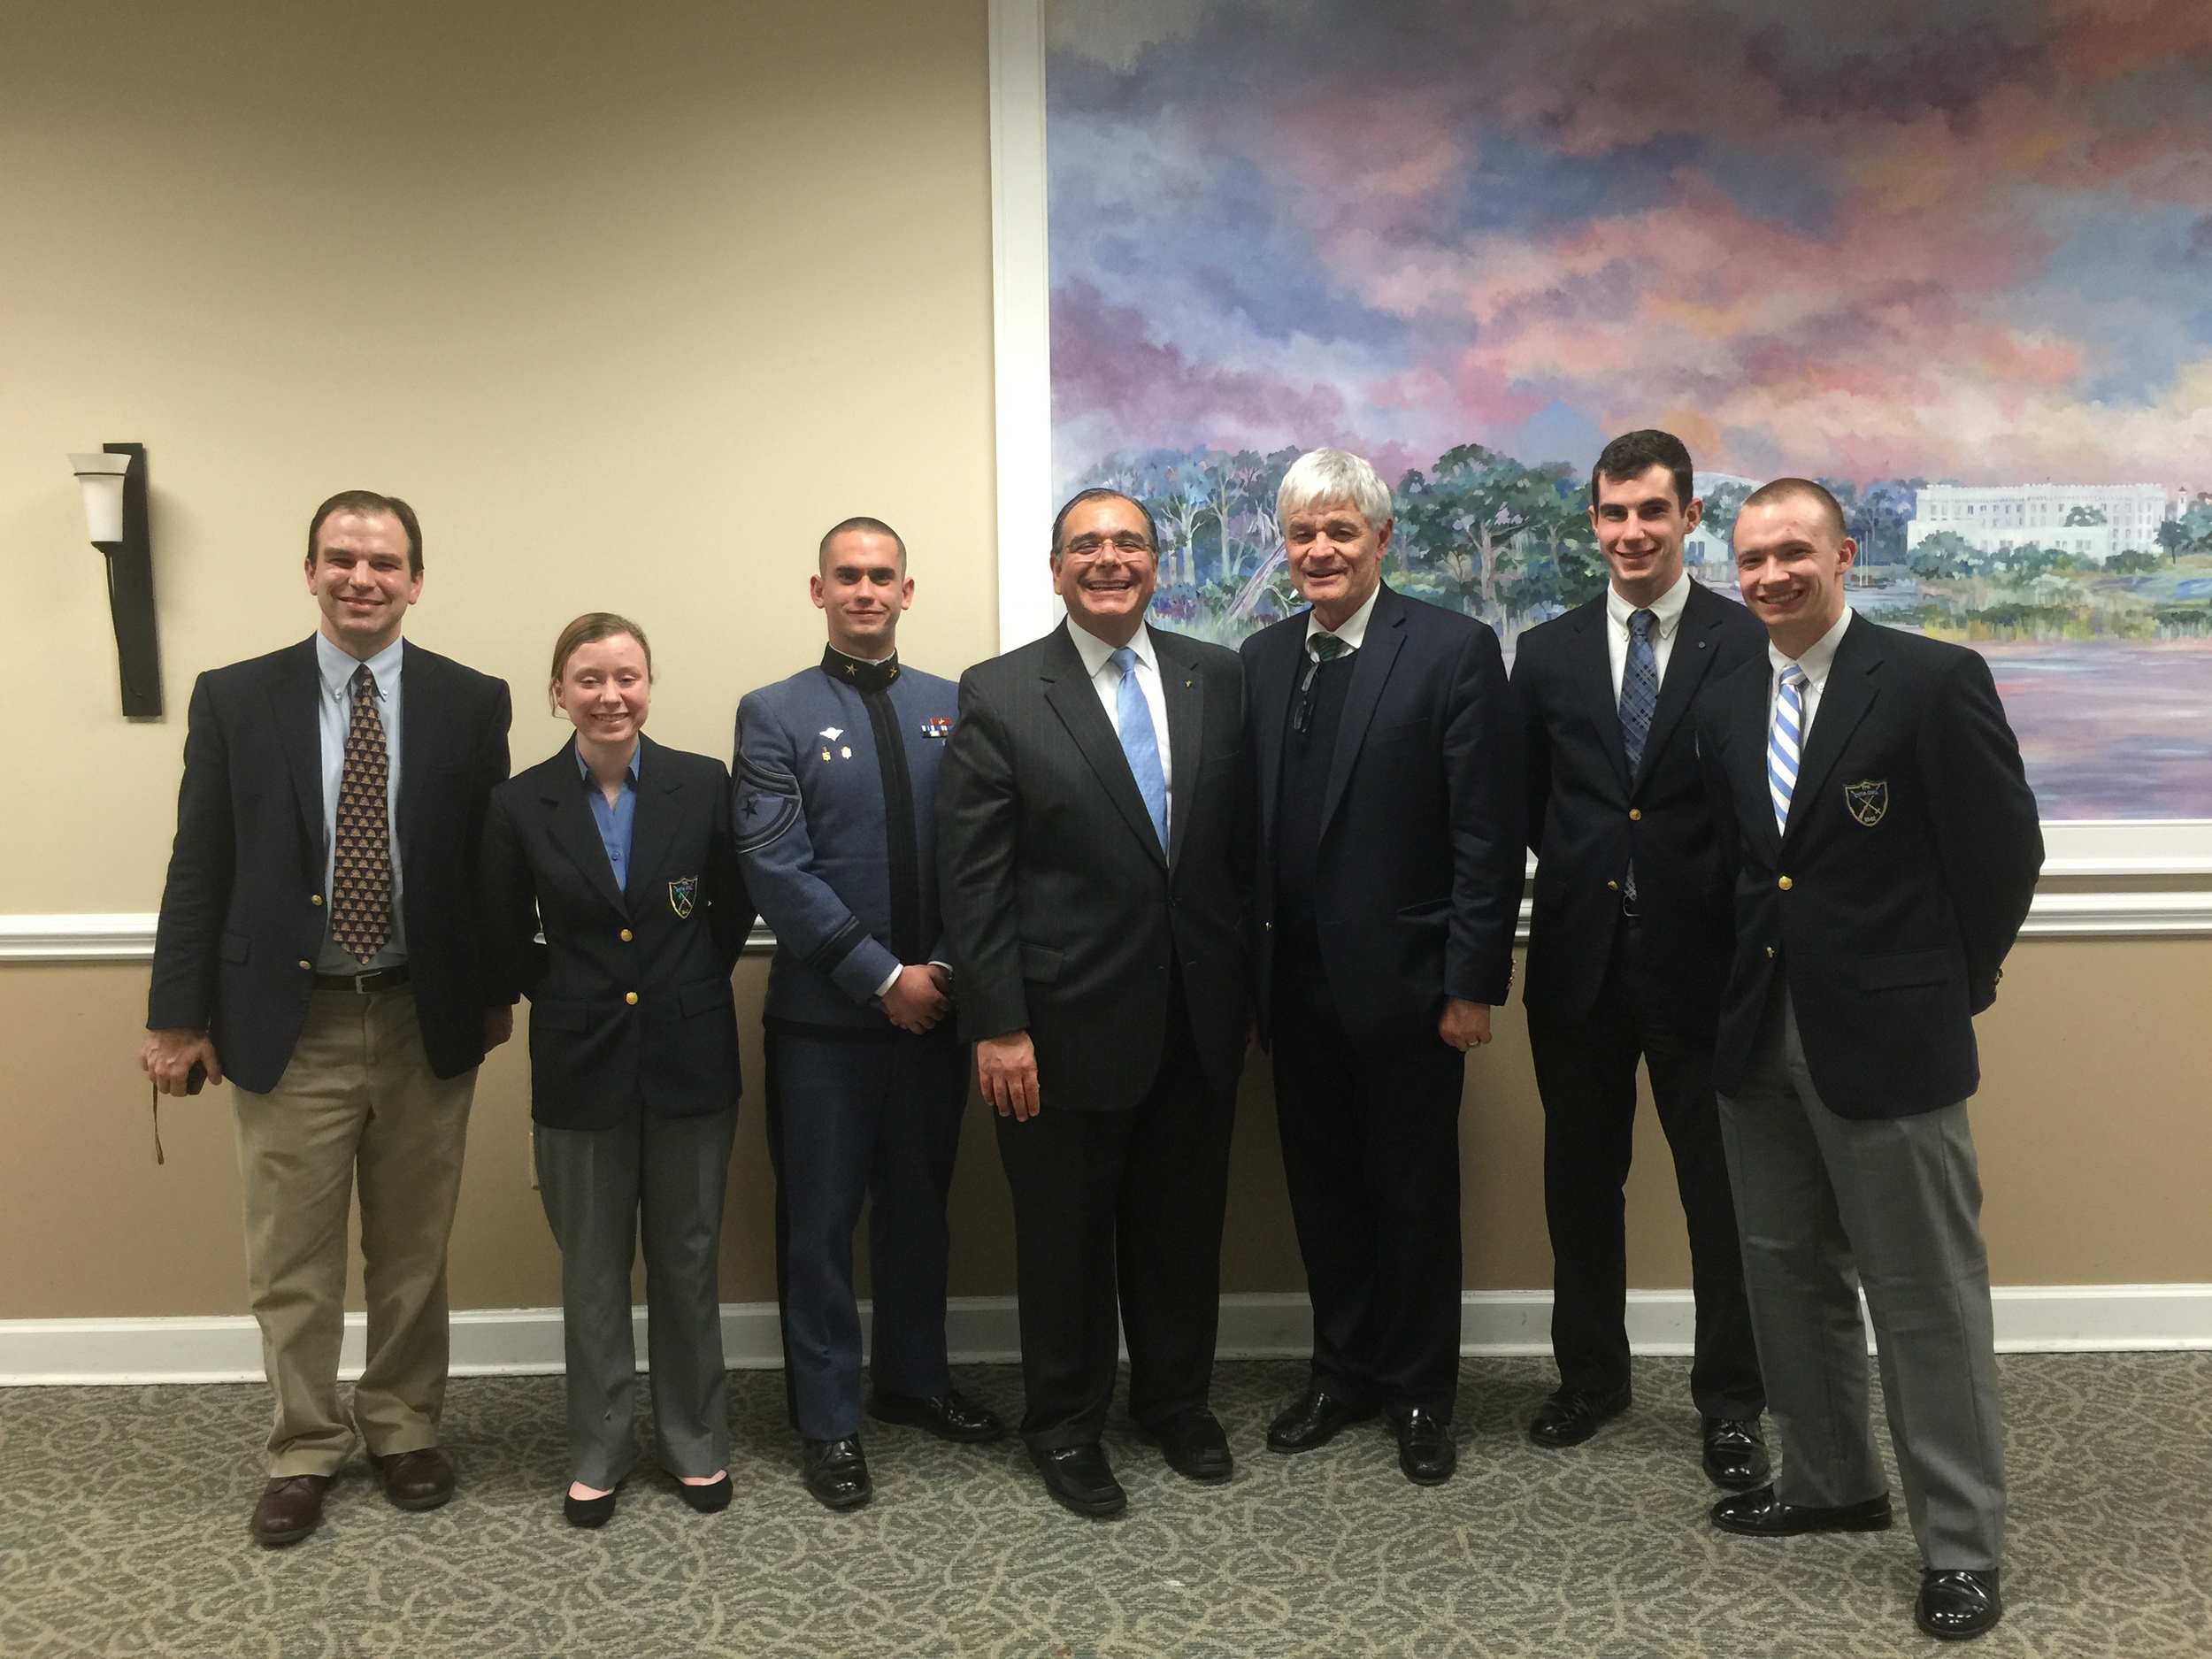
291,1507
415,1480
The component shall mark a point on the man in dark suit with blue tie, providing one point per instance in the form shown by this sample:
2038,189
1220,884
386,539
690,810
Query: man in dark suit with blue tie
1391,847
1628,947
1875,819
320,945
836,781
1092,851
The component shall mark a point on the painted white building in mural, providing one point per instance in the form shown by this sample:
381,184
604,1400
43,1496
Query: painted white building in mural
1708,552
1999,516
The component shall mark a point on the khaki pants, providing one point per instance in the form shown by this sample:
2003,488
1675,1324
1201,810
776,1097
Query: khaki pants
358,1103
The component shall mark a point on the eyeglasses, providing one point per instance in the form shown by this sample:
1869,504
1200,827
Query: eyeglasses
1128,544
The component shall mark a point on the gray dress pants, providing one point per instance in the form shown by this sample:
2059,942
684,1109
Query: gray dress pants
596,1184
1825,1205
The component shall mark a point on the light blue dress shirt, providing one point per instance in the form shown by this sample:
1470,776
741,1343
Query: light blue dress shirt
614,821
336,705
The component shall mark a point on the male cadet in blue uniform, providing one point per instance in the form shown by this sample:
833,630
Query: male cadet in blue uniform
836,781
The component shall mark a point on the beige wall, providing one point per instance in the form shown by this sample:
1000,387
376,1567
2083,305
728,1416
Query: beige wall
632,301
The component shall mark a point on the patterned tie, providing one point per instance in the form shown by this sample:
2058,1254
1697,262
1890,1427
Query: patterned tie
1327,646
1639,695
1782,745
361,879
1140,742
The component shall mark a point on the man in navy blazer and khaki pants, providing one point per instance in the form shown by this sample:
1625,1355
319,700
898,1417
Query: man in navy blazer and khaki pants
320,945
1870,800
1390,802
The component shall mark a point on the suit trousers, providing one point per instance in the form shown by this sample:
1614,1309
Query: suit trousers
847,1120
1828,1205
1371,1155
357,1104
599,1185
1120,1200
1586,1071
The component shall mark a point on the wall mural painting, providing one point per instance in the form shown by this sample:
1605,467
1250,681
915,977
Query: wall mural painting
1954,261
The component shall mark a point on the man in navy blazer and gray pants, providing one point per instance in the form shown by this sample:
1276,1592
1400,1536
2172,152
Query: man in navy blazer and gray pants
320,945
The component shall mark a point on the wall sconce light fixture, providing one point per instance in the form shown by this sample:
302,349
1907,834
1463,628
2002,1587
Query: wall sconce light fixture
114,483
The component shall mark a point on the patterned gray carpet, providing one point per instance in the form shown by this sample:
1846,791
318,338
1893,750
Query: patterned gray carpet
122,1532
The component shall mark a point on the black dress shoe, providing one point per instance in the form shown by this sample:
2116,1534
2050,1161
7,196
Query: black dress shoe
1426,1451
1195,1446
415,1480
1735,1455
1315,1420
1569,1416
589,1512
837,1474
1959,1605
707,1500
290,1507
1759,1513
1079,1479
951,1416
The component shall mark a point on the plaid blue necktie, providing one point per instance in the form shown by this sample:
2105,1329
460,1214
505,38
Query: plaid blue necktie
1783,743
1639,695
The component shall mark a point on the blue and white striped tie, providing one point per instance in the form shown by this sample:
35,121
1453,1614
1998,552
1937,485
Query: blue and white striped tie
1784,741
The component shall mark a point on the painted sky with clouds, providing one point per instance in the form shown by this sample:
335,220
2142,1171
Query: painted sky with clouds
1968,241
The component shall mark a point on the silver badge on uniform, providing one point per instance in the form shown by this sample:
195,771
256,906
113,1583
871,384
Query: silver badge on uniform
1868,801
682,894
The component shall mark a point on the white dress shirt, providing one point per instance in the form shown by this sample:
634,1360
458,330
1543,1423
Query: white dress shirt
335,720
1353,633
1819,657
1667,609
1106,681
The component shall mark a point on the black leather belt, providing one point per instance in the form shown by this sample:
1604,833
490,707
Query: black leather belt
362,984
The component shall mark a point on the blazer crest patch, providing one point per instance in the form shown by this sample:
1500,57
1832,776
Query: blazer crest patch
1868,801
683,892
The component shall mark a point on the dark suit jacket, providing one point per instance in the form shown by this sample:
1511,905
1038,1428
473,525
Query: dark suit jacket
631,1007
1906,869
241,915
1419,885
1064,918
1580,796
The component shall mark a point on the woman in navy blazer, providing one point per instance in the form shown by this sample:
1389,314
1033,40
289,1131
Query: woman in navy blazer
614,902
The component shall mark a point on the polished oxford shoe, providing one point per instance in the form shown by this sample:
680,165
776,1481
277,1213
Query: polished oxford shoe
1195,1446
1426,1451
589,1513
1079,1479
1569,1416
1759,1513
951,1416
1735,1456
290,1507
1315,1420
714,1496
415,1480
1959,1605
837,1474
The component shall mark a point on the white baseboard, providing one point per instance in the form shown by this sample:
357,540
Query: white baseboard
527,1341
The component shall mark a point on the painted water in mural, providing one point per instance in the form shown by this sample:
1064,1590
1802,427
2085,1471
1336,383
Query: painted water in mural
1954,261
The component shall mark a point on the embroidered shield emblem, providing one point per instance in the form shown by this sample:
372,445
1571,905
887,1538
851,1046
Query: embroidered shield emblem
682,894
1868,801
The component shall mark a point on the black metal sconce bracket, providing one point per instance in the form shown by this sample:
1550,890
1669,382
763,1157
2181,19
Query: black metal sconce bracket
131,593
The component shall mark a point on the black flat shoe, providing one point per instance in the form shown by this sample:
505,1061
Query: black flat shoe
1315,1419
707,1499
1735,1454
1570,1417
836,1473
1426,1452
589,1512
951,1416
1759,1513
1959,1605
1079,1479
1195,1446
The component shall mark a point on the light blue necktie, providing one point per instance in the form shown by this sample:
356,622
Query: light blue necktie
1140,742
1783,743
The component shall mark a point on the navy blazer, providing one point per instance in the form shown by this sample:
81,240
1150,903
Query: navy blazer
244,912
1418,886
631,1007
1587,817
1889,901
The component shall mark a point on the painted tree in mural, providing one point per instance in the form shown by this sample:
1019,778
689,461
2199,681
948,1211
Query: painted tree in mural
1460,519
